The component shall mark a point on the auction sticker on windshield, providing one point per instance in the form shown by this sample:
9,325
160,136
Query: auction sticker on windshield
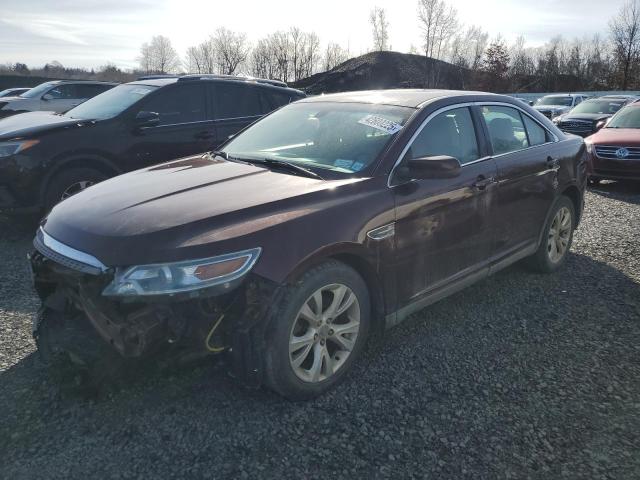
381,124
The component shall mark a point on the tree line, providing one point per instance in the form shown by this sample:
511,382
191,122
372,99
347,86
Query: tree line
606,60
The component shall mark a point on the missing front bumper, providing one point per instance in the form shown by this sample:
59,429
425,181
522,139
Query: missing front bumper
165,327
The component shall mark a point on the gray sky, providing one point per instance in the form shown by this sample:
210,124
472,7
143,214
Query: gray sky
90,33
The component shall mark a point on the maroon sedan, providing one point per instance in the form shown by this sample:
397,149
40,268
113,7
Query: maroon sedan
310,233
614,152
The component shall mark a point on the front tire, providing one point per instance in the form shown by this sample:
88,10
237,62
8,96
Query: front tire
317,332
69,182
556,238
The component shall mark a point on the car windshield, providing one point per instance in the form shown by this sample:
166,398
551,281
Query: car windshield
599,106
342,137
555,100
39,90
110,103
628,117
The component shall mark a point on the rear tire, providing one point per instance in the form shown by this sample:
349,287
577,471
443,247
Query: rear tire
317,331
70,182
556,238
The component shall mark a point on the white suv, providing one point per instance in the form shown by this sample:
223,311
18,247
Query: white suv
58,96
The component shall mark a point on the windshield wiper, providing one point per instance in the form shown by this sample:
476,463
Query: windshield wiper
282,164
220,153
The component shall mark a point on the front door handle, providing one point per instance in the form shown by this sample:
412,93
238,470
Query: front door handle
483,182
553,163
205,135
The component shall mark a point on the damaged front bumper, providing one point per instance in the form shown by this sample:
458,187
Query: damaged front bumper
196,324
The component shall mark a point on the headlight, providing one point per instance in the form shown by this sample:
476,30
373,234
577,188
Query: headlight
179,277
11,148
556,119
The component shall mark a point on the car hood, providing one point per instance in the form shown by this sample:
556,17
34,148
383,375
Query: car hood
195,207
585,116
32,123
623,137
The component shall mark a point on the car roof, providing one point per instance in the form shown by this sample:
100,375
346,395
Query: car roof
96,82
411,98
163,80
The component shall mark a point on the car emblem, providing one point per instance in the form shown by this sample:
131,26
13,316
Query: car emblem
622,153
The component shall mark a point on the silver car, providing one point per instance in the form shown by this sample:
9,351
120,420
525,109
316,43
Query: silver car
57,96
552,106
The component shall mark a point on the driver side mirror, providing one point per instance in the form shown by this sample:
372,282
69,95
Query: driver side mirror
433,167
47,96
147,119
531,103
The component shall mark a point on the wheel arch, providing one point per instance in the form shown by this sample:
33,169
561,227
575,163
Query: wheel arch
573,193
355,257
86,160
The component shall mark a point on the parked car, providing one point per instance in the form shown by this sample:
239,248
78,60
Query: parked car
553,105
308,233
591,115
614,151
13,92
49,157
58,96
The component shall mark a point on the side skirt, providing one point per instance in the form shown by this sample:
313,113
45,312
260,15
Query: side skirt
430,298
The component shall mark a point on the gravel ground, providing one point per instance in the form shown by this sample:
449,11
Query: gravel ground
519,376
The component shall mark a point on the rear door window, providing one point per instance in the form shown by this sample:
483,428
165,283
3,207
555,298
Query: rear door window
274,99
506,130
236,101
90,91
180,104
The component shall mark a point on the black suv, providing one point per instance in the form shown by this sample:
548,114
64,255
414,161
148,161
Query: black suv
46,157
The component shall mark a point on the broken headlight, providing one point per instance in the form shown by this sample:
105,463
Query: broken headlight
179,277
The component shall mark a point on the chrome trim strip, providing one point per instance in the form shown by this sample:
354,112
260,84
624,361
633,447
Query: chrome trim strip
70,252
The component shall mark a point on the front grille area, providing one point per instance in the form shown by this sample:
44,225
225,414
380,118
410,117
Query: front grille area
611,152
577,127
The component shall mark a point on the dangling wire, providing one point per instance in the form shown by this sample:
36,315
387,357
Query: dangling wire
208,339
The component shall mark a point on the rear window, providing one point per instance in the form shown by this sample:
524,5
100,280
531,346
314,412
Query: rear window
274,99
236,101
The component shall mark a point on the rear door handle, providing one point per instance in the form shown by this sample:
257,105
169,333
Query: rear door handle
553,163
483,182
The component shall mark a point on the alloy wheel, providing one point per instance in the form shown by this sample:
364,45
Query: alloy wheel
76,187
559,234
324,333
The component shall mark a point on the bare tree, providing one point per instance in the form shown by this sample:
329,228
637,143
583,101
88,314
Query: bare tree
202,58
380,28
438,22
334,55
282,52
159,56
467,48
625,37
263,59
232,50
